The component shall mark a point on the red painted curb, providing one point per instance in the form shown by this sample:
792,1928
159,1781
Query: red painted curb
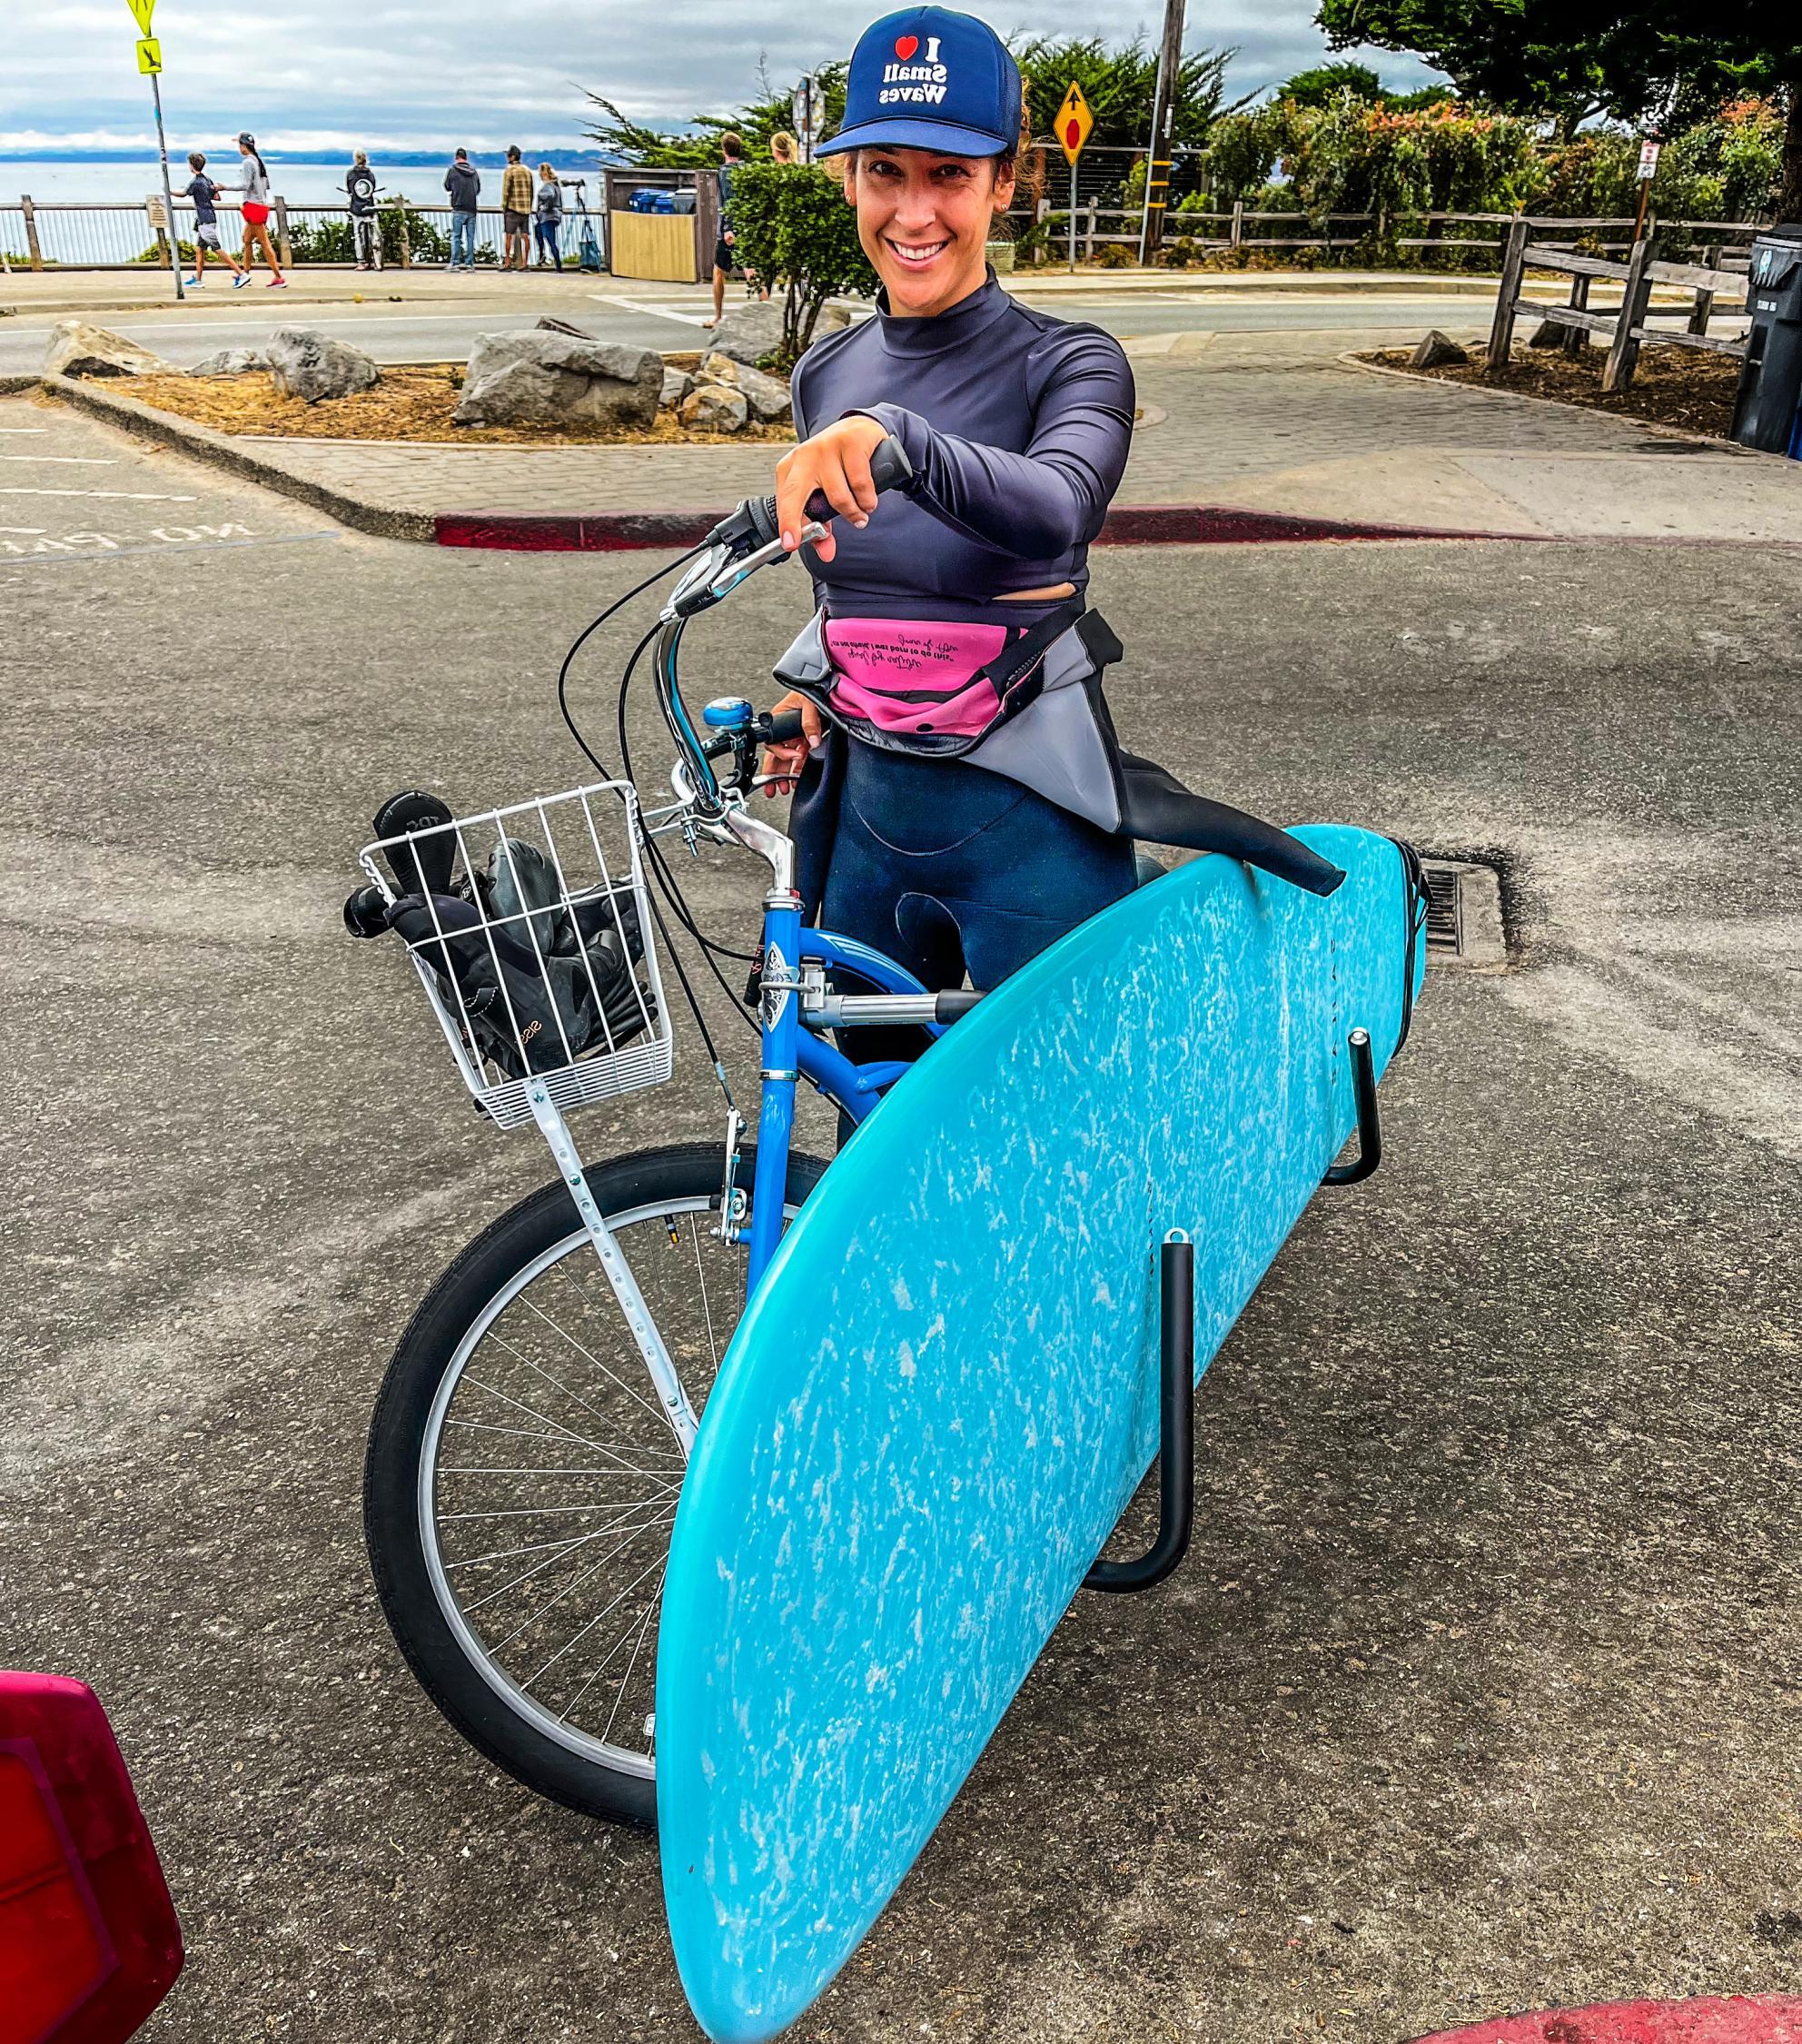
1130,525
1740,2019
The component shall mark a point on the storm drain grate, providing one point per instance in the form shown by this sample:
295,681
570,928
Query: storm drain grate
1464,926
1445,924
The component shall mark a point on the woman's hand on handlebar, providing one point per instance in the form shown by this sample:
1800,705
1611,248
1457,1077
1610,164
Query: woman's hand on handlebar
835,461
786,762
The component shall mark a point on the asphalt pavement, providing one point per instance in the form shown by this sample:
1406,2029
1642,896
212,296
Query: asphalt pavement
1480,1690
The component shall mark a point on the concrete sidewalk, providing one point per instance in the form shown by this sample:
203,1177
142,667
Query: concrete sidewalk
1276,423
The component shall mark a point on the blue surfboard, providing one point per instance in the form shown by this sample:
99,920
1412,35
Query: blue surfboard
946,1390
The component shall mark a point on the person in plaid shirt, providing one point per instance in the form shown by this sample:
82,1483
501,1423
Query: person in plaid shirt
516,211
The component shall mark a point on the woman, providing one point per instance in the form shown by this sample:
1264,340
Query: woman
255,208
783,147
962,799
549,217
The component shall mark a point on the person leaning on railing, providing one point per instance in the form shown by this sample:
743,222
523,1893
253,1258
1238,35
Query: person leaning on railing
463,181
549,217
516,211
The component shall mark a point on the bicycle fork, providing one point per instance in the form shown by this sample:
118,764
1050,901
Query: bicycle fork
677,1409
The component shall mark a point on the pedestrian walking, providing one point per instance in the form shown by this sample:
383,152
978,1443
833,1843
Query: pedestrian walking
463,181
204,194
255,209
516,211
365,229
731,155
549,216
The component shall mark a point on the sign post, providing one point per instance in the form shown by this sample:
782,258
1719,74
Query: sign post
150,62
1159,155
1074,122
1643,176
802,110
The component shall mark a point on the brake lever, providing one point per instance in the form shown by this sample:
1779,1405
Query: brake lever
692,596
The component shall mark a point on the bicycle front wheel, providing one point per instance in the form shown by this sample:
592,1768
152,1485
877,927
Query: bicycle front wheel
521,1480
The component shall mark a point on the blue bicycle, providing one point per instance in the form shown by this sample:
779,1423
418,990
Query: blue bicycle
528,1443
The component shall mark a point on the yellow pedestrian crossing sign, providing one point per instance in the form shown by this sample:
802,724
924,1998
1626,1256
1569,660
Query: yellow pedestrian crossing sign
141,10
150,56
1073,122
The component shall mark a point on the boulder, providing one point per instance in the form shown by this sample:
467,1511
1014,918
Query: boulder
833,319
549,324
1438,350
77,349
314,366
748,331
231,361
677,384
1549,333
544,377
767,396
715,408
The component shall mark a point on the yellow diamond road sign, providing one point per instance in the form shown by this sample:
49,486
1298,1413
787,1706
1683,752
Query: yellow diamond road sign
150,56
1073,122
141,10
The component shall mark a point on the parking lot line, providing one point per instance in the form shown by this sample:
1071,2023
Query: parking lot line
137,496
68,461
173,545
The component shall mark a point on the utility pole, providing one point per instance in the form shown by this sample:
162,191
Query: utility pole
1164,113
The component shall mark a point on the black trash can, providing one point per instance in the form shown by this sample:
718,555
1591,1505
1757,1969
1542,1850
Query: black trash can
1770,386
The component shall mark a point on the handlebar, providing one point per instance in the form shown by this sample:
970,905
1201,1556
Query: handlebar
753,525
741,544
890,470
768,729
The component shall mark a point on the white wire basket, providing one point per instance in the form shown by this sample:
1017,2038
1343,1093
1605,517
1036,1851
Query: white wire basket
531,933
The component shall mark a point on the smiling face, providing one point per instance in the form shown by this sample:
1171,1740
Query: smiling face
924,221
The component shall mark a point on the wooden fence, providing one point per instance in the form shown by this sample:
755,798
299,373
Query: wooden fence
1626,325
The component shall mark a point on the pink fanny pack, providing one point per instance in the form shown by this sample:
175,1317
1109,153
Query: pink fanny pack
911,674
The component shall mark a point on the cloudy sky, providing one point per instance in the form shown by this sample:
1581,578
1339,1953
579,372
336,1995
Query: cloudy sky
422,73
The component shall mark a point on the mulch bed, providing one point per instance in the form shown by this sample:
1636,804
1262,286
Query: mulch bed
413,403
1671,386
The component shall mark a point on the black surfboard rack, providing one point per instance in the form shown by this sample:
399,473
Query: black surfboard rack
1370,1123
1176,1359
1176,1428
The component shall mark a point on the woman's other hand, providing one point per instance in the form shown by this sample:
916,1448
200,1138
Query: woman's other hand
786,760
834,460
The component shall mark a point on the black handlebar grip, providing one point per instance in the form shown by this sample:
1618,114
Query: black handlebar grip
777,729
890,470
958,1001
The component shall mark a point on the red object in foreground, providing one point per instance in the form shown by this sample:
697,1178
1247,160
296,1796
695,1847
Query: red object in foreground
1737,2019
89,1943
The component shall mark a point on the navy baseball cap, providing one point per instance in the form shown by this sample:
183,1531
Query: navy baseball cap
928,78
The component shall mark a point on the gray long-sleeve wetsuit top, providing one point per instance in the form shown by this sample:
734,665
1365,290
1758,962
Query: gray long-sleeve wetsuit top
1018,427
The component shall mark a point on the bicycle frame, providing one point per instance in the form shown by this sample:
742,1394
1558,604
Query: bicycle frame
794,960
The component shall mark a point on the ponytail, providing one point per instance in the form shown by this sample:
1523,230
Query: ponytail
248,141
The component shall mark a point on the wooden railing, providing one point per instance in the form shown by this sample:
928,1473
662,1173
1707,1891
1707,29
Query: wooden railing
1626,325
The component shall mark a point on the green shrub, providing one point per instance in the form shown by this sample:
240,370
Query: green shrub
1117,255
794,229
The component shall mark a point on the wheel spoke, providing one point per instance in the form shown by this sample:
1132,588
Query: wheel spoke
550,1566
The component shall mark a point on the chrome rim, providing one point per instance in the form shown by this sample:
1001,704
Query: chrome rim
549,1477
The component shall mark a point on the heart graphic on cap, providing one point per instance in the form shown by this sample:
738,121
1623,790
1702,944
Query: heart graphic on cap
904,47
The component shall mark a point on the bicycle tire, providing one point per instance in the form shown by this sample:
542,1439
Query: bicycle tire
486,1271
